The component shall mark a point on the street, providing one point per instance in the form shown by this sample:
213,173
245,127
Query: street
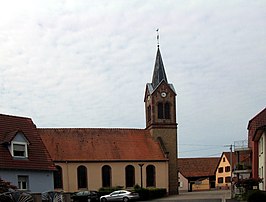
201,196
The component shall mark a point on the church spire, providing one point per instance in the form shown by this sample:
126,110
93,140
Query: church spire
158,73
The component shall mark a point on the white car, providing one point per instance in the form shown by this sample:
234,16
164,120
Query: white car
120,195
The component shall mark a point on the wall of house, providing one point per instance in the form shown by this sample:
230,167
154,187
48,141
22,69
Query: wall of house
201,185
223,164
183,183
117,174
39,181
262,160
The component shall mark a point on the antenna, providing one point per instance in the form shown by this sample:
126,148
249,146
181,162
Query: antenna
158,42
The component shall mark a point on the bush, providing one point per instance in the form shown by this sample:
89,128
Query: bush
150,193
256,195
108,190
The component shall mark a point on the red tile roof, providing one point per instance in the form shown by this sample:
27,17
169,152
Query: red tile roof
38,157
255,124
244,157
198,167
91,144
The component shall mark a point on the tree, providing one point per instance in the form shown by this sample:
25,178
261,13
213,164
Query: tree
5,186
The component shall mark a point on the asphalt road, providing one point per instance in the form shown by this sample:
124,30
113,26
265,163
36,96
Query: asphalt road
200,196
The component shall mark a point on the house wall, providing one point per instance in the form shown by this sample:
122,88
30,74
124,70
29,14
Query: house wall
183,182
201,185
262,161
118,174
224,174
39,181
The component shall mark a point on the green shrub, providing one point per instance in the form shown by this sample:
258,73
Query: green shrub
107,190
150,193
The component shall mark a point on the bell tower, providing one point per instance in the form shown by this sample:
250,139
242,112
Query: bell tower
160,108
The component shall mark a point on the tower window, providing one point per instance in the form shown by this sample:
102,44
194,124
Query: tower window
160,110
167,110
163,110
149,113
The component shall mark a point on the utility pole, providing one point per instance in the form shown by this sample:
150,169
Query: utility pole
231,167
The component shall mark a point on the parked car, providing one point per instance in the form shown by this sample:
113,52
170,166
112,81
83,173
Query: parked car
120,195
85,196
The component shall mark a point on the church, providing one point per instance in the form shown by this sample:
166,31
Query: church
92,158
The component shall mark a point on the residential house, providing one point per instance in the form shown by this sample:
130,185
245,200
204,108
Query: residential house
225,173
257,142
24,160
182,183
200,172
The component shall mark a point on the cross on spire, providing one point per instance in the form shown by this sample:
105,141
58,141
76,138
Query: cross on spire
158,42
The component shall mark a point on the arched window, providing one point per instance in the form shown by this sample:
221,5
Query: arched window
106,176
167,110
160,110
82,177
163,110
150,176
149,113
130,176
58,178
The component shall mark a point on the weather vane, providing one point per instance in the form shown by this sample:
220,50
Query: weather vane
158,42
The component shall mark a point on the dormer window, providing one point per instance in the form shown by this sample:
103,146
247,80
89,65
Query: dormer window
19,149
19,146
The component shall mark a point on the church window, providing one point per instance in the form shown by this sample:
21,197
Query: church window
167,110
58,178
106,176
149,113
150,176
160,110
130,176
163,110
82,177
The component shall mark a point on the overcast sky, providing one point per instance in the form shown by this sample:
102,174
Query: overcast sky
86,63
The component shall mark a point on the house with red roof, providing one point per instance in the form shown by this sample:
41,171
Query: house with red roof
199,172
232,166
257,143
24,160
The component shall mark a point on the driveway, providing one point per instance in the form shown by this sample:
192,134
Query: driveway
200,196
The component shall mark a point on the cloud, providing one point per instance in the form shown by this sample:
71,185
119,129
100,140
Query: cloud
85,64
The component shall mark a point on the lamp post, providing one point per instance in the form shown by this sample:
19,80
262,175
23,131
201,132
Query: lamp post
141,165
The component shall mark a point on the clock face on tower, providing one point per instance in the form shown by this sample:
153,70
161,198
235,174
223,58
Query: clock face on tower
163,94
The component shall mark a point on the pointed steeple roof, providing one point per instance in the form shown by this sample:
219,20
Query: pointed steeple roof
158,73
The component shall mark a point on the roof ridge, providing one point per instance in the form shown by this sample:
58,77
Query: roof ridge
15,116
94,128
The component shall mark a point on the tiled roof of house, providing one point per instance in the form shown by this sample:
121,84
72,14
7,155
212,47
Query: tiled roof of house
38,157
243,157
197,167
256,124
91,144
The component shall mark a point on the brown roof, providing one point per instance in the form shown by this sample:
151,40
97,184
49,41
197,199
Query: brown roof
91,144
38,157
197,167
257,124
244,157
